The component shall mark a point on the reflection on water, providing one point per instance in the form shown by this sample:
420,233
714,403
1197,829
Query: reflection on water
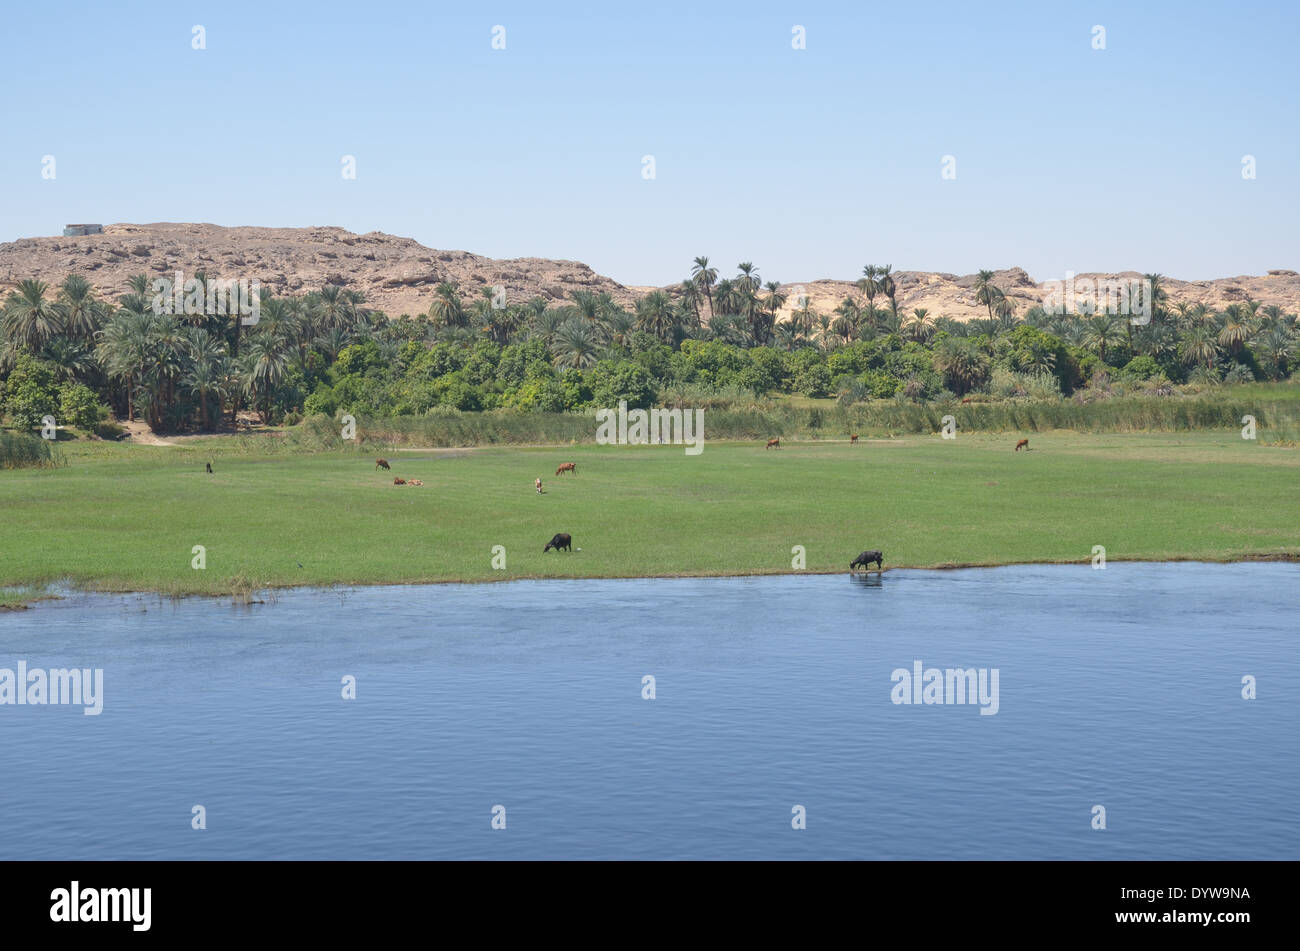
867,580
1120,688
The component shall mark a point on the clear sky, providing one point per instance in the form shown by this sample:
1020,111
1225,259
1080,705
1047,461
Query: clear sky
809,162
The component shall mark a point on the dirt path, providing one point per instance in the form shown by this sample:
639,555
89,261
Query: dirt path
140,433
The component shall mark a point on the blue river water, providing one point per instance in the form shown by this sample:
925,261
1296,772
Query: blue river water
773,706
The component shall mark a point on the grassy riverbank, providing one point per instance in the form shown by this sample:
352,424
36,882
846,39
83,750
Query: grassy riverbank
128,517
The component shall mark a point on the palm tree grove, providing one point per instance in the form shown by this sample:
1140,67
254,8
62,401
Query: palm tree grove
93,362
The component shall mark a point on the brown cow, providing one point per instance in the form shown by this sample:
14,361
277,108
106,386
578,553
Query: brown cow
965,401
567,467
1023,444
399,481
381,463
853,438
773,442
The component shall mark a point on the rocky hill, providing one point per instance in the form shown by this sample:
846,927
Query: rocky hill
398,275
952,295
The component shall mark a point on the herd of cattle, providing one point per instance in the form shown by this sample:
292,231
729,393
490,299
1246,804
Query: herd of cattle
563,542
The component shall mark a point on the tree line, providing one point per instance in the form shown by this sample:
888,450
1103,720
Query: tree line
67,352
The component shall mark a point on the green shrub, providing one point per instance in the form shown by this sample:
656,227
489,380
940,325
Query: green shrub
21,451
31,393
78,406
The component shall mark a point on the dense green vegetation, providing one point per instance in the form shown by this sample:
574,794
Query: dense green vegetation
128,517
66,353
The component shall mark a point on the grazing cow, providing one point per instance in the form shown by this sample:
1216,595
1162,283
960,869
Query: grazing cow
1023,444
559,541
866,558
965,400
853,438
773,443
381,463
567,467
399,481
209,468
538,483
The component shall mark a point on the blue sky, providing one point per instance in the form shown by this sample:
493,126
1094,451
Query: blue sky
808,162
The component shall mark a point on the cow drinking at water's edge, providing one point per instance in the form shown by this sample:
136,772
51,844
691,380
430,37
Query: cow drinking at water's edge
866,558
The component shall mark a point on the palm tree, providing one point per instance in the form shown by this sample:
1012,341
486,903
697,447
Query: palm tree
331,342
789,335
167,357
891,323
576,344
549,321
124,351
705,277
1156,297
1234,332
587,303
619,326
691,299
986,292
206,375
333,308
29,318
1201,346
869,287
141,284
499,323
278,321
83,313
264,368
962,364
71,359
447,309
729,298
729,328
888,287
1271,317
1275,346
920,326
843,329
1100,333
654,315
748,277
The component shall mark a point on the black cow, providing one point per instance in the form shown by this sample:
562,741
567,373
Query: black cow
866,558
559,541
209,468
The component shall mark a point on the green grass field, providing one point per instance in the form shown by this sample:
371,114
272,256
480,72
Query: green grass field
128,517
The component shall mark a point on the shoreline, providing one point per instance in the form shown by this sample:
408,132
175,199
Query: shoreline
66,589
